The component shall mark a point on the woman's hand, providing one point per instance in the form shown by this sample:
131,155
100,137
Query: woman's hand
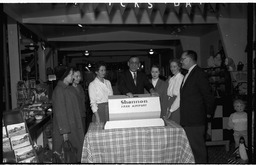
153,92
168,114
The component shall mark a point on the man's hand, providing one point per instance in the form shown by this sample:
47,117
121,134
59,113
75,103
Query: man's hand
129,94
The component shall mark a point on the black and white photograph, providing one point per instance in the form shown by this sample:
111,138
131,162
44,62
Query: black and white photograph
24,153
16,129
132,81
29,160
20,141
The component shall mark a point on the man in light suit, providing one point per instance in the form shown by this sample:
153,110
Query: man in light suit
133,81
196,104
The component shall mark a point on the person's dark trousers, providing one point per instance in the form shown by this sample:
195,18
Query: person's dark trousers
196,138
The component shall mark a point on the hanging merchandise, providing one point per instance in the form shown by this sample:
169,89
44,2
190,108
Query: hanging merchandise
240,66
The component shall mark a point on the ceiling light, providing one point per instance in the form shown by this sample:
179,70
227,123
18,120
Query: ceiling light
151,51
80,25
87,68
86,53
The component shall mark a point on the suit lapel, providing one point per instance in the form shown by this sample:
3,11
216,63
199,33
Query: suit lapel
189,77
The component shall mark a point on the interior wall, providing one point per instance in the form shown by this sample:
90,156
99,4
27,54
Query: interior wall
234,37
206,41
192,43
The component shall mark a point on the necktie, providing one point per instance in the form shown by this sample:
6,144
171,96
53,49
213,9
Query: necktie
184,79
135,77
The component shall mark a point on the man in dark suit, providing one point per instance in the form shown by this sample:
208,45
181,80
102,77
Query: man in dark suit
196,104
133,81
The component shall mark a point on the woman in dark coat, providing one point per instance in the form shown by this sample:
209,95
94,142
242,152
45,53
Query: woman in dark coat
67,120
160,87
79,91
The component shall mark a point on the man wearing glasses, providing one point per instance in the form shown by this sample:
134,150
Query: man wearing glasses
196,104
133,81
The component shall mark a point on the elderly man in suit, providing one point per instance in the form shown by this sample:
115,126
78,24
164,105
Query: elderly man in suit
133,81
196,104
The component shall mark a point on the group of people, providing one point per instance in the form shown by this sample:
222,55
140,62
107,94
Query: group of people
187,100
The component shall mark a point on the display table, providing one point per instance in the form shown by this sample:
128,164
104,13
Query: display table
168,144
36,128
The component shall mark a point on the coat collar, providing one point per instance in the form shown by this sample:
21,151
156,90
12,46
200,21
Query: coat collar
62,84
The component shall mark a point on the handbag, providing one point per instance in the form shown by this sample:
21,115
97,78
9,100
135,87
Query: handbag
68,153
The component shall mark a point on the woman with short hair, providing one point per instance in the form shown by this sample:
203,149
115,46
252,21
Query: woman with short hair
160,87
173,91
99,90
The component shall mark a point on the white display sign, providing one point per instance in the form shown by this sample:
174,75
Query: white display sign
134,123
122,107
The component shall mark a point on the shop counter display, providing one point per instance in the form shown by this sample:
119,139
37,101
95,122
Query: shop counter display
35,125
163,144
37,117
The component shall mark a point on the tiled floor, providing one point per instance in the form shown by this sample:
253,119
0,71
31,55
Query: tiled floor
218,154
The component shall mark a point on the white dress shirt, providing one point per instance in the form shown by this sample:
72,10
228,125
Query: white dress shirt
133,73
154,82
174,90
133,76
189,70
99,92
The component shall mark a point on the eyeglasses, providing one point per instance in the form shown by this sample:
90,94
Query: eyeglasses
182,59
135,63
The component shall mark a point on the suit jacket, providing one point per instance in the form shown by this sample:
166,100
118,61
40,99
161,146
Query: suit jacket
196,99
126,83
161,89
